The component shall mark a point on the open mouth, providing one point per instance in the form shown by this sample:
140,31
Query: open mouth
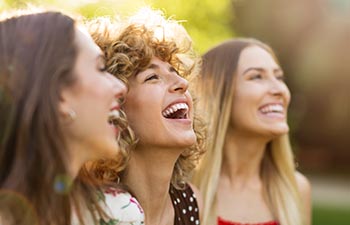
176,111
272,108
113,117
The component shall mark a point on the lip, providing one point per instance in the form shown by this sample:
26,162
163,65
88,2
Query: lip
115,107
186,121
182,100
273,115
272,103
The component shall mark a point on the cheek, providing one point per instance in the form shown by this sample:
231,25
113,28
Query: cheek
137,109
288,96
190,104
100,88
134,103
144,99
244,105
245,98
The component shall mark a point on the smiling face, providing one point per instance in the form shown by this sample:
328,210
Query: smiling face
93,97
261,97
159,107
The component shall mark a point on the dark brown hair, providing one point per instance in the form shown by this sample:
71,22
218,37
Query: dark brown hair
37,56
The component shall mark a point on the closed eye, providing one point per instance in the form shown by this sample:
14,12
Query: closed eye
103,68
101,63
281,77
152,77
256,77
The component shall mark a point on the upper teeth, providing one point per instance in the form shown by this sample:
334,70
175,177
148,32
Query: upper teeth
273,108
173,108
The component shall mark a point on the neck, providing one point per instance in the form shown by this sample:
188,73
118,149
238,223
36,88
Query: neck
149,175
76,159
242,158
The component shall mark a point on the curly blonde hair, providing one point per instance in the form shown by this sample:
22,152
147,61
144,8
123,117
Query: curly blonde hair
144,36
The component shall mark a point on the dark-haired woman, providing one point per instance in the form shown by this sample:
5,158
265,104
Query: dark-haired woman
57,102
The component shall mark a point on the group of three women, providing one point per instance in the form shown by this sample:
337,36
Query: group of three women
69,155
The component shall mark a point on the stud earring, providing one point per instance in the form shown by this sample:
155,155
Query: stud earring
72,114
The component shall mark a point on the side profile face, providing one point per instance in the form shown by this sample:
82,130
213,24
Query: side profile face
93,97
159,107
261,97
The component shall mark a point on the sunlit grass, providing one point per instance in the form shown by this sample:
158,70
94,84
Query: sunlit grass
323,215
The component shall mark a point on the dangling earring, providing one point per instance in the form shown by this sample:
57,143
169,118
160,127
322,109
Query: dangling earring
72,114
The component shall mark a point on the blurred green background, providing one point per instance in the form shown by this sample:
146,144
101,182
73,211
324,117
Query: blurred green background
311,38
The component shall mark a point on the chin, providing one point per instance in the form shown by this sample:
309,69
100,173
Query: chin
111,150
189,140
279,132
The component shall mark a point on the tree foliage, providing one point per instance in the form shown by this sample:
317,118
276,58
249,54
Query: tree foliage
208,22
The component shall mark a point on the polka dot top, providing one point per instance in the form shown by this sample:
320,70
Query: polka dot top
185,206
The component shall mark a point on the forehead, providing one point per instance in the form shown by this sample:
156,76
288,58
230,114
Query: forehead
155,64
158,62
255,56
84,42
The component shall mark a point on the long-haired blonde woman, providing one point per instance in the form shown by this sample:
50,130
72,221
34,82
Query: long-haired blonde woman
153,56
248,175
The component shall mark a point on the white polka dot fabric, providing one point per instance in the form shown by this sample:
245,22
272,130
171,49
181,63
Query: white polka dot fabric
185,206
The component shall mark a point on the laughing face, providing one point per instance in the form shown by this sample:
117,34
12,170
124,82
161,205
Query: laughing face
159,107
95,100
261,97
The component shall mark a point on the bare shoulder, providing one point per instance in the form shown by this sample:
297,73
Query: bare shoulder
303,184
304,187
198,196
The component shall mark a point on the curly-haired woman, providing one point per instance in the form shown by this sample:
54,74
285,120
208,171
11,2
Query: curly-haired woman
154,57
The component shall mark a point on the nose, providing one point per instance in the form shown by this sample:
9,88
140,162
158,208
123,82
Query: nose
278,88
119,87
180,85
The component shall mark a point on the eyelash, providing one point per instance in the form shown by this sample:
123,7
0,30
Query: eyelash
152,77
103,69
257,76
281,77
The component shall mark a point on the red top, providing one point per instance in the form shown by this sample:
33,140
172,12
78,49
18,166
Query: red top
225,222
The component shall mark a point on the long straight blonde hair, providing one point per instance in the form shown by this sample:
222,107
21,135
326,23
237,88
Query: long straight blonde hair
215,88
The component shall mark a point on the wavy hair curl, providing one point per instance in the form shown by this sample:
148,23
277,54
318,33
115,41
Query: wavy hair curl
128,48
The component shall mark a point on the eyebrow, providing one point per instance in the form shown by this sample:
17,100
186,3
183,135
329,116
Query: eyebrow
261,70
155,66
152,66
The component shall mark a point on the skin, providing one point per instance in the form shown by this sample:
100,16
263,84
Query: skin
89,135
161,140
151,91
258,83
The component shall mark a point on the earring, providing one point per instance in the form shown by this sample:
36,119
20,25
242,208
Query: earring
72,114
